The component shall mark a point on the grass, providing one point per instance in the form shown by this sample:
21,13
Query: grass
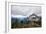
29,25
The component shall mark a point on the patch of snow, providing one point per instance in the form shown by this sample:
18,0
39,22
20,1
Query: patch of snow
18,16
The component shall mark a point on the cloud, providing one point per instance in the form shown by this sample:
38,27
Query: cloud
25,10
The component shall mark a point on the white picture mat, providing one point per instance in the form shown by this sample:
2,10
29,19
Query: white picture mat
23,29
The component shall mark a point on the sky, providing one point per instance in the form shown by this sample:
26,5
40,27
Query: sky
25,10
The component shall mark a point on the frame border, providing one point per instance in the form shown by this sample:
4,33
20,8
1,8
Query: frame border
8,12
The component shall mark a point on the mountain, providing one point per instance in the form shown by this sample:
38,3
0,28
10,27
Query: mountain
34,17
19,19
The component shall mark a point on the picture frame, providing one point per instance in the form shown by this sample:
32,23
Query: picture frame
8,16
